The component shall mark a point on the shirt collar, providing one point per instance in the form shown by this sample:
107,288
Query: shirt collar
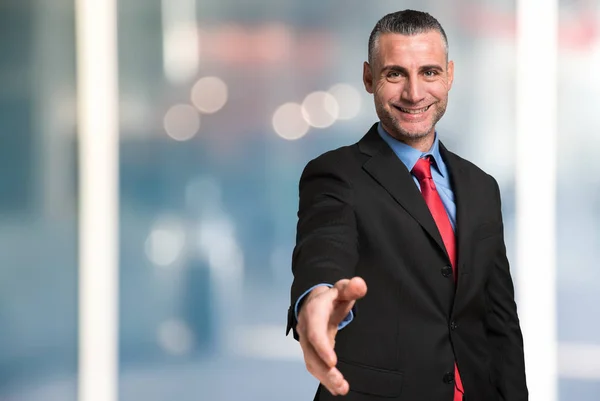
409,155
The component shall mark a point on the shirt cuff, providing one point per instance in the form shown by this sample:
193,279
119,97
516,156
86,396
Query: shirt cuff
342,324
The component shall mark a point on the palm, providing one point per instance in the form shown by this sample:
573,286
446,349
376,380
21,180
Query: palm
318,326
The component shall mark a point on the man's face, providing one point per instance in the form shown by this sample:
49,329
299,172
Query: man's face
410,78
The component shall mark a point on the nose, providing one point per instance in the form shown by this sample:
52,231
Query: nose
412,91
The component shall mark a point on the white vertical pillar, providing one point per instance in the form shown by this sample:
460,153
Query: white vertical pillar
96,33
537,42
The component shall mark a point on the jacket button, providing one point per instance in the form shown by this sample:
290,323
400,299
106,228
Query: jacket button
447,271
449,378
453,325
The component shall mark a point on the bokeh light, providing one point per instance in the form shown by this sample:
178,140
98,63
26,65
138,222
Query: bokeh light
175,337
182,122
348,99
289,122
320,109
166,241
209,94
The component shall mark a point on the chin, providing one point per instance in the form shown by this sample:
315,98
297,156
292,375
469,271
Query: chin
415,132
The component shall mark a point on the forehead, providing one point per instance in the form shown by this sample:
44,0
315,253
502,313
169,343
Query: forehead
423,47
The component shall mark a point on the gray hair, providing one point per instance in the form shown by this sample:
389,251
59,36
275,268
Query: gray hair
406,22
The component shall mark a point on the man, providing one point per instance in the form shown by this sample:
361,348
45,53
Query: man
418,226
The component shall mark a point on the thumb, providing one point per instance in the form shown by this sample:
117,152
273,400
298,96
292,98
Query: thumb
348,292
351,290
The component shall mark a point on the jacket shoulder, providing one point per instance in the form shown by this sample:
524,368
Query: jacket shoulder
342,155
472,169
341,161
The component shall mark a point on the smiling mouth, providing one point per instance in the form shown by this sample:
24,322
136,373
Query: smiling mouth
413,111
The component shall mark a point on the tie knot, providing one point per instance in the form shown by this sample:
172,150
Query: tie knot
422,168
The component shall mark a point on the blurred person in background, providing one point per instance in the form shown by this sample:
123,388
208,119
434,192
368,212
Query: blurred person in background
422,229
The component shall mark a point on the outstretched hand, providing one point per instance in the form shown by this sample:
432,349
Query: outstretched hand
318,320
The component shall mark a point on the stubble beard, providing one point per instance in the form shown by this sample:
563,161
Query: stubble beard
394,128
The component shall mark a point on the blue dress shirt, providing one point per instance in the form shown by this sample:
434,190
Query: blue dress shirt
439,172
409,156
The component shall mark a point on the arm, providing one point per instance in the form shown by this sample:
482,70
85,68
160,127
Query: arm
326,240
503,329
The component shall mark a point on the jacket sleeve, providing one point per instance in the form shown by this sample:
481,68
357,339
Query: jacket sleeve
326,237
503,328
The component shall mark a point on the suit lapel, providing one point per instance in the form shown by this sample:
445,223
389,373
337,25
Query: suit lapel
389,171
460,181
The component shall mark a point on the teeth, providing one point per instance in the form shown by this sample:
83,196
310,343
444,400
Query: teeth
414,111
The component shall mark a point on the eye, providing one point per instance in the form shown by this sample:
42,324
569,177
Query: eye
394,76
430,73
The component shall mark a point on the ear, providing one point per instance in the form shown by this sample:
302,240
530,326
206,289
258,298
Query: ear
368,77
450,74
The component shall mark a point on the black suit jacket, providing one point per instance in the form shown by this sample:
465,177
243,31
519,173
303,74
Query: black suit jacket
361,214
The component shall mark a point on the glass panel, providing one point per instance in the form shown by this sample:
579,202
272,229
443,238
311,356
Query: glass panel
38,199
578,200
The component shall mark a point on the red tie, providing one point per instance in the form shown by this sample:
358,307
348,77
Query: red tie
422,170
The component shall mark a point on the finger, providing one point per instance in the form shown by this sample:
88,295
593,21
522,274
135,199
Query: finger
343,388
336,384
317,318
351,290
330,377
340,310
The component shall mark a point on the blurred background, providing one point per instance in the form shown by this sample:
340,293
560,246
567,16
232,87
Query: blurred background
221,104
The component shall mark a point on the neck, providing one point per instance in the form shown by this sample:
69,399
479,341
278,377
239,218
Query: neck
422,143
